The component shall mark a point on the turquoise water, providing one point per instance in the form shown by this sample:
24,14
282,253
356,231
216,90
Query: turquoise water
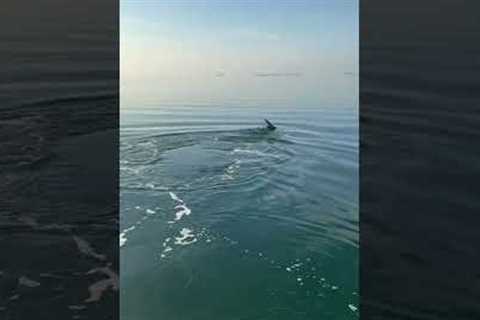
221,219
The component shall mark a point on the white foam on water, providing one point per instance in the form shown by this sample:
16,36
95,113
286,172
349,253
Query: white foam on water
166,247
186,237
184,211
294,267
123,235
174,197
352,307
166,241
181,207
123,239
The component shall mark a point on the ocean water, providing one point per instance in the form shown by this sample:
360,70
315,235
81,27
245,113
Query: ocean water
222,219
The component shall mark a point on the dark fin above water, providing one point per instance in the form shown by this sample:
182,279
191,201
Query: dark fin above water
270,126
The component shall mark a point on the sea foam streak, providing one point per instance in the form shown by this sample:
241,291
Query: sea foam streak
187,237
123,235
174,197
182,209
185,211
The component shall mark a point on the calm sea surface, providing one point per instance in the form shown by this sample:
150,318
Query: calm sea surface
222,219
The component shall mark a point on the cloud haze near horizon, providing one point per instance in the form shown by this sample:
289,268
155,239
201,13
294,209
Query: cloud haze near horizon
212,52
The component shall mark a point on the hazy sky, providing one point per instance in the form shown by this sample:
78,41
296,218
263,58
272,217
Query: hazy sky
239,52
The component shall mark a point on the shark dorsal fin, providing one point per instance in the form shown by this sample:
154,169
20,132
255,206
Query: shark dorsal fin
270,126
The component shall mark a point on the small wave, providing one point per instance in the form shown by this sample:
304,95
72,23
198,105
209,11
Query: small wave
27,282
250,151
48,102
85,248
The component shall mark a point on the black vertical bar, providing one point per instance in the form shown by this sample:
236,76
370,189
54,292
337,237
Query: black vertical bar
59,159
419,131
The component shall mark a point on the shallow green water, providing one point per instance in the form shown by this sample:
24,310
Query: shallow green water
221,219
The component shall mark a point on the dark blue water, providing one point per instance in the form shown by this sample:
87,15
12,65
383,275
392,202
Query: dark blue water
222,219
